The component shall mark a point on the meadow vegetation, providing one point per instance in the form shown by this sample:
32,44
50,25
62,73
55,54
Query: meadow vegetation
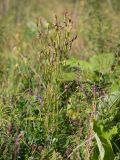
59,80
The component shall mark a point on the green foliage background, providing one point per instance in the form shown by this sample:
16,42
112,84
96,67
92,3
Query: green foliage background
59,80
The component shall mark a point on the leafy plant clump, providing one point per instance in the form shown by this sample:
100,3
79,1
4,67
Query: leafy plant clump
54,106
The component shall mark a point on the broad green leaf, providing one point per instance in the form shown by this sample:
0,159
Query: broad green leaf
108,154
110,100
102,62
71,62
95,155
69,76
84,65
115,86
100,147
109,134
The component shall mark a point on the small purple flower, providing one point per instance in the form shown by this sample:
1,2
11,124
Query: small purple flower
94,89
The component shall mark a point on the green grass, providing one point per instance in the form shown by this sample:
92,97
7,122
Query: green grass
59,81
